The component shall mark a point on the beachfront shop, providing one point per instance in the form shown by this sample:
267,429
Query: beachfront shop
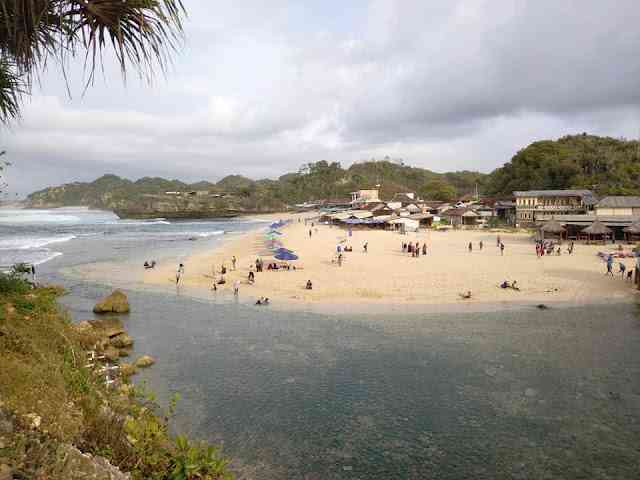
592,228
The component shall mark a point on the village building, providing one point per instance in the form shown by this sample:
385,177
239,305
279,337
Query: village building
459,217
618,205
533,206
363,197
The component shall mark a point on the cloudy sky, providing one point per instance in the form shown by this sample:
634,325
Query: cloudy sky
260,88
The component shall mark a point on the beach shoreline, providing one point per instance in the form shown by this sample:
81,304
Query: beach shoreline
385,278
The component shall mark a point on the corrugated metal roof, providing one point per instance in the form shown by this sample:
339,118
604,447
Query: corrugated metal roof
553,193
619,201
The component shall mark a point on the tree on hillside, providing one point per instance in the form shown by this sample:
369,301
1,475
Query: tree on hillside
141,34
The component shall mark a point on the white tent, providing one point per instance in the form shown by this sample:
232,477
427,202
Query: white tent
405,224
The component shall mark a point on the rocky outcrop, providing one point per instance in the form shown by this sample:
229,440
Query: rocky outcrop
117,302
144,361
121,340
75,465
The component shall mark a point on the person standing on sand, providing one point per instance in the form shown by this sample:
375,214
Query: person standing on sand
498,242
481,245
365,247
501,248
470,247
424,249
417,249
233,262
609,265
310,233
236,287
622,270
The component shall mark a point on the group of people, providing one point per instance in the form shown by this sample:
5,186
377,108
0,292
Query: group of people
622,269
548,247
513,285
414,250
499,244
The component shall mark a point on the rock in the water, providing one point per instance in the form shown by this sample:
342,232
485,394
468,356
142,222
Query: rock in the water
112,353
80,466
126,369
117,302
145,361
121,340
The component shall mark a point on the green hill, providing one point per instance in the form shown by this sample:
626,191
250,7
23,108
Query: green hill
312,182
606,165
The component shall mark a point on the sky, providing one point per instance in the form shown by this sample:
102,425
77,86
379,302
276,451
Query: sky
261,88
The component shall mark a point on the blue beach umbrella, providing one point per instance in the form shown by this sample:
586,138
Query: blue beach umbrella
286,256
283,250
274,232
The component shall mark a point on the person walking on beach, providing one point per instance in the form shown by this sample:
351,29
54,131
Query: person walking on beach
498,242
417,249
622,270
310,233
236,287
481,245
233,262
609,265
470,247
365,247
501,248
179,273
424,249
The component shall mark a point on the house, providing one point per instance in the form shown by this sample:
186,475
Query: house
537,205
405,198
461,216
618,205
379,209
362,197
505,211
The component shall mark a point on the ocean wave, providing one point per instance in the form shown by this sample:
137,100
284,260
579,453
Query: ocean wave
34,257
155,221
28,243
208,234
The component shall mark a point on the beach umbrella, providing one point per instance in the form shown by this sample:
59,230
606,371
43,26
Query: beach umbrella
275,232
283,250
286,256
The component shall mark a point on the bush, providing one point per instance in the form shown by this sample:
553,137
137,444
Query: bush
12,283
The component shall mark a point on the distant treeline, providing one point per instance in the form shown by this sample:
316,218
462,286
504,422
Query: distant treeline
605,165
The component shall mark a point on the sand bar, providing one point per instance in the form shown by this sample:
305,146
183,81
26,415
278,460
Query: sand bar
384,275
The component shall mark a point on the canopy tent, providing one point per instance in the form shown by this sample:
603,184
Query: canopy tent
287,256
553,227
598,230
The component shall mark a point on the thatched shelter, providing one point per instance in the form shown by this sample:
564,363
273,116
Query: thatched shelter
632,232
553,228
597,231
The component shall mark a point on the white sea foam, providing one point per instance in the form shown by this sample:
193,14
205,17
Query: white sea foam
209,234
26,243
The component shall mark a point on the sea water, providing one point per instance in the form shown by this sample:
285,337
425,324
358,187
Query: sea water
524,393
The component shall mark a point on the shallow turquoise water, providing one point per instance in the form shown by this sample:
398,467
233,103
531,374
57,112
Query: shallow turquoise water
519,394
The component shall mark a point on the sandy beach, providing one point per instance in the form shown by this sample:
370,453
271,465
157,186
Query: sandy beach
386,275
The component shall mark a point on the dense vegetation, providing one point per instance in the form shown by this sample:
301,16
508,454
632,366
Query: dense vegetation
312,182
606,165
43,377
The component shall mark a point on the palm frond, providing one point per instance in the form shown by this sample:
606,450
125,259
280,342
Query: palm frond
142,33
12,87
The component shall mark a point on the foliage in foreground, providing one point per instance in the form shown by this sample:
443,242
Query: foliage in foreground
141,34
43,373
